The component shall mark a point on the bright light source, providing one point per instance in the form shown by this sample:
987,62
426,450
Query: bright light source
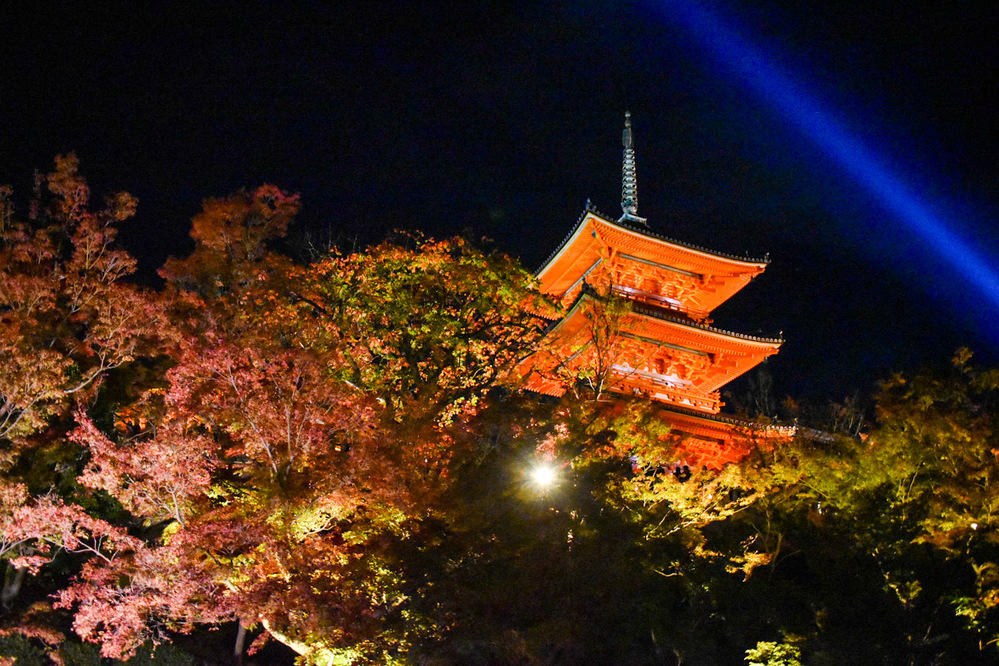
543,474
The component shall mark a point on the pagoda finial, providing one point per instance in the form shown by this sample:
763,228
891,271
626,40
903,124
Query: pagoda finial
629,176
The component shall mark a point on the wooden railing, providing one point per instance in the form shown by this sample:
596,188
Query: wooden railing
665,391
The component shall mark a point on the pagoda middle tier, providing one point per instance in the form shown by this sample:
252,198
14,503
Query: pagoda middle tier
661,345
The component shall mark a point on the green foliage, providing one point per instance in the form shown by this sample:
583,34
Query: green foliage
909,509
22,651
427,328
773,654
80,654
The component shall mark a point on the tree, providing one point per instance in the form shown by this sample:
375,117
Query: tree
232,237
68,322
337,454
308,417
583,352
887,536
428,328
773,654
66,316
933,463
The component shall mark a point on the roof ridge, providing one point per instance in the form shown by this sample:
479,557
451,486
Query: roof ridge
645,231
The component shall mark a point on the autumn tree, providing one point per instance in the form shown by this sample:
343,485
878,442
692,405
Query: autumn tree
930,470
233,237
583,354
875,547
68,322
427,328
336,455
67,316
309,416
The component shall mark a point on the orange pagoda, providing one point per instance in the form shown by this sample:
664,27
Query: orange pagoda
660,344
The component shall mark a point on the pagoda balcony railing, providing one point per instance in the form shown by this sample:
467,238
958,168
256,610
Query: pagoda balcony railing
638,296
655,300
663,390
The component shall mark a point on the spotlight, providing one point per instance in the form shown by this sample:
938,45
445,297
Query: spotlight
544,475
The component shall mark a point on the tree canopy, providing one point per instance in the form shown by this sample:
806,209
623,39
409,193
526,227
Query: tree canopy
336,455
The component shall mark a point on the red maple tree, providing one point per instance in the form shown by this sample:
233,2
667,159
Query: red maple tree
307,416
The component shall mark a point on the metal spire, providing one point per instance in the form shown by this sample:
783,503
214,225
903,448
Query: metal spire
629,176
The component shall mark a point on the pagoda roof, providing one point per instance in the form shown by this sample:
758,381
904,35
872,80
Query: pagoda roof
728,420
680,318
737,353
642,230
597,248
662,315
714,440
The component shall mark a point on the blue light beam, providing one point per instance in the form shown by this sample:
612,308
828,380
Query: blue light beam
778,91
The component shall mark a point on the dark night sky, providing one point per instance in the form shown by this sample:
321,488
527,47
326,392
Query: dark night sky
505,117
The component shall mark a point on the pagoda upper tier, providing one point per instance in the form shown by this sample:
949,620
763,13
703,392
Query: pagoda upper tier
624,258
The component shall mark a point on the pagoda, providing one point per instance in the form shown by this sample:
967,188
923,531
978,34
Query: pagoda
636,321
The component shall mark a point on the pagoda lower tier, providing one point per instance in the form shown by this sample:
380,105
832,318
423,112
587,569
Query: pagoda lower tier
713,441
630,348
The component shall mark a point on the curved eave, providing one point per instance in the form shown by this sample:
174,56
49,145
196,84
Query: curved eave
721,334
749,265
711,330
727,420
